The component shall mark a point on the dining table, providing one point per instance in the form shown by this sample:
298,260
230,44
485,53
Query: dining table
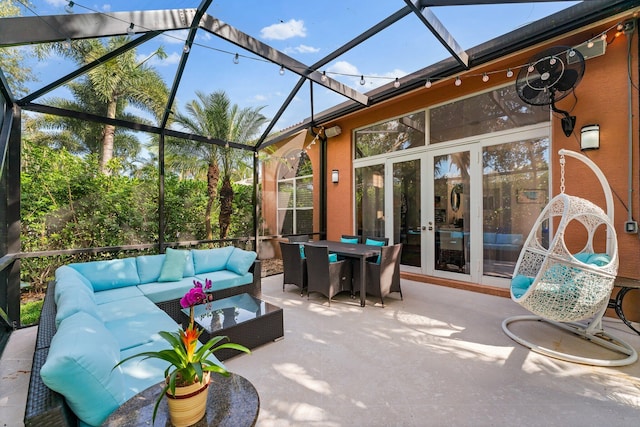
357,251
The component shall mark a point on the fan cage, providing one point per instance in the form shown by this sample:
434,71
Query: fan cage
565,289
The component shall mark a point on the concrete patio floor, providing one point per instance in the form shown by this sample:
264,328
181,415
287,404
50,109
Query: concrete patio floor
437,358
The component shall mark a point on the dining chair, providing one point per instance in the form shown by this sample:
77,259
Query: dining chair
294,266
384,277
350,239
299,238
325,277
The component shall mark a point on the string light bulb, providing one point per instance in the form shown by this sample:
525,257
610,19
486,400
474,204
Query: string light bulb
324,76
620,27
509,73
186,48
603,37
485,77
69,7
458,81
362,82
590,44
428,84
67,44
130,30
281,70
396,84
236,59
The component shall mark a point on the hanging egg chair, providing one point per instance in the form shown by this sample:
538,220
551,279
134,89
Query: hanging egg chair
570,290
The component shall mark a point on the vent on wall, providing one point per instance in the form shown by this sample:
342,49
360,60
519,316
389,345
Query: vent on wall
589,49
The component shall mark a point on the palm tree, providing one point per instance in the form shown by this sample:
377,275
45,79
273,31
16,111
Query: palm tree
213,115
116,84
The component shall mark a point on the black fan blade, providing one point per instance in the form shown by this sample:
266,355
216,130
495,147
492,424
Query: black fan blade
529,93
568,79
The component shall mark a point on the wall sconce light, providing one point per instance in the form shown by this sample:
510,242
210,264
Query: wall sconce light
590,137
335,176
332,131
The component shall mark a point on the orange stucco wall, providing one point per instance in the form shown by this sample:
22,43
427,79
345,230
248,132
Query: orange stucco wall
601,98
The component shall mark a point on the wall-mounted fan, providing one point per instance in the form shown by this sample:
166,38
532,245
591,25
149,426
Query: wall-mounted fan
550,76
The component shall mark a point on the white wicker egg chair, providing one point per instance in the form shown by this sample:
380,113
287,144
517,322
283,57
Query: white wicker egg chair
570,291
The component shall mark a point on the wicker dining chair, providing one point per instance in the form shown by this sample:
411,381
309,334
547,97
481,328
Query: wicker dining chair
294,266
327,278
384,278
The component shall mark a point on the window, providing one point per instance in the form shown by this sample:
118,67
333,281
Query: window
394,135
500,109
370,200
295,194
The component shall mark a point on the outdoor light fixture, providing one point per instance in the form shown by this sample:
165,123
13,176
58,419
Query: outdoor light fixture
396,84
590,137
324,76
236,59
485,77
509,73
458,81
428,84
130,30
332,131
186,48
335,175
362,82
69,7
282,70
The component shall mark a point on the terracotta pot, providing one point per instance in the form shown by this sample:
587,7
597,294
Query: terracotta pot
189,404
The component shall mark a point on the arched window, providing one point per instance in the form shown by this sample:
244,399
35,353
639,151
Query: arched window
295,194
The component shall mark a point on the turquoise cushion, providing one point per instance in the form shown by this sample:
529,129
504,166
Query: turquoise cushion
225,279
71,302
80,367
582,257
599,259
140,373
345,240
240,261
149,267
207,260
112,274
374,242
166,291
302,255
65,272
141,329
173,265
333,257
73,285
104,297
520,284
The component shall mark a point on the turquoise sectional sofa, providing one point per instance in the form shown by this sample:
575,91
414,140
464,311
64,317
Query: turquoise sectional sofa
97,313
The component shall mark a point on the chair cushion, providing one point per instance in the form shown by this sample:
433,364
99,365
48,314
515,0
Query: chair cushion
599,259
374,242
207,260
346,240
240,261
80,367
520,284
333,257
302,255
173,265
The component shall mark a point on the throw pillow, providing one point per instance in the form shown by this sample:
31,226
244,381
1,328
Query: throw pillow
173,265
240,261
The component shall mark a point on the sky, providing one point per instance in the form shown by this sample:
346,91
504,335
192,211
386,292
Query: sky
306,31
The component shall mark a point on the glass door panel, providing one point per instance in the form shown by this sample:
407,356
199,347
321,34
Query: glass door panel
406,210
370,217
451,212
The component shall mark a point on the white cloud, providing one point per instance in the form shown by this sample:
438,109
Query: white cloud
57,3
260,98
106,7
284,30
175,37
303,48
171,59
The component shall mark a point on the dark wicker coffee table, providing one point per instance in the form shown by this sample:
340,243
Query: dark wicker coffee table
243,318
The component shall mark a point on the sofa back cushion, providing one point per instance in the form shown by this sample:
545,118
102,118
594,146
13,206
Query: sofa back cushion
240,261
80,367
112,274
207,260
72,301
65,272
69,280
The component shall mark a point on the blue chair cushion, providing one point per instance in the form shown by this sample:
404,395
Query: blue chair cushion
520,284
208,260
80,367
173,265
374,242
302,255
599,259
333,257
582,257
240,261
345,240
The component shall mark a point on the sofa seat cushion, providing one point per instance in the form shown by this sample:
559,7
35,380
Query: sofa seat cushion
225,279
140,373
80,367
166,291
133,307
142,329
115,273
207,260
119,294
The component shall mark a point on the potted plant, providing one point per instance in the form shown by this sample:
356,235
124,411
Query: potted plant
187,376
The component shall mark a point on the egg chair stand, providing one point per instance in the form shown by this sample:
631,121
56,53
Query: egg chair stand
570,291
